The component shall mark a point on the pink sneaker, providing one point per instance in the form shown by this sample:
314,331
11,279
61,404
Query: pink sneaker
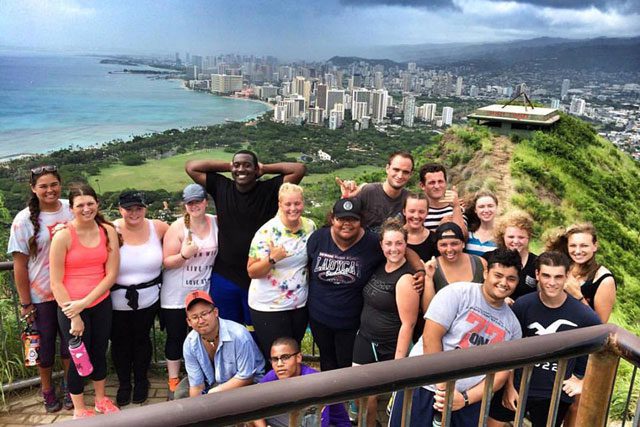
83,413
106,406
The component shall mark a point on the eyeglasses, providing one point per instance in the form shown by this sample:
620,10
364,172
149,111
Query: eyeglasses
202,315
282,358
43,169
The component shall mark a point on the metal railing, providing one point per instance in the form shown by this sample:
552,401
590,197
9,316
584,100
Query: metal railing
606,344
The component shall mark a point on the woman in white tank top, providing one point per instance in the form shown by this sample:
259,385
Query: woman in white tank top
135,296
190,249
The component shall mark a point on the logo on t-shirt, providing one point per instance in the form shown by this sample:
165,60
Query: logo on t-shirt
484,331
337,269
552,328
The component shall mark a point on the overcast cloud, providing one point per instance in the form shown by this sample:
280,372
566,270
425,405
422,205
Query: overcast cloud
300,29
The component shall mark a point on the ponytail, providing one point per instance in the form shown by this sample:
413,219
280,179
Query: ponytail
34,216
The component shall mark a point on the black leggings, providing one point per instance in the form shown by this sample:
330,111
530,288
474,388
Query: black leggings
175,322
131,347
335,345
97,329
270,325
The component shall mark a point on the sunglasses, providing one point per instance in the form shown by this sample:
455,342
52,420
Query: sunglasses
44,169
282,358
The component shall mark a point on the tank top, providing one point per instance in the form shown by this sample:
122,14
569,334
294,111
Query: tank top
139,264
380,320
84,267
195,273
477,270
590,287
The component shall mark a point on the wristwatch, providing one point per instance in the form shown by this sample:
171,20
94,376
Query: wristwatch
466,398
272,261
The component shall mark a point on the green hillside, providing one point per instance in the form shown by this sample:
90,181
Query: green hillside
564,176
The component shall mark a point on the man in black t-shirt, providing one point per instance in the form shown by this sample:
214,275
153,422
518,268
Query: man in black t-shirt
243,204
547,311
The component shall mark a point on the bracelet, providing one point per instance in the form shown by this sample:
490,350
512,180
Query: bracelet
183,257
26,305
466,397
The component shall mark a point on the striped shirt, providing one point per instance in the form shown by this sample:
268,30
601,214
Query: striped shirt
435,215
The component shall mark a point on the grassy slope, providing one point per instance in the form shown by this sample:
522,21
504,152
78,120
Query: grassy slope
568,175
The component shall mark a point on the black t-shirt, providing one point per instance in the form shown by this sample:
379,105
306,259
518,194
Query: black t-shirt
527,282
380,320
426,249
240,215
537,319
336,278
378,206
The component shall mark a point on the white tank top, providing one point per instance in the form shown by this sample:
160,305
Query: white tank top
195,273
139,264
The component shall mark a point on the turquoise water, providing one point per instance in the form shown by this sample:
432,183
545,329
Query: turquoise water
49,102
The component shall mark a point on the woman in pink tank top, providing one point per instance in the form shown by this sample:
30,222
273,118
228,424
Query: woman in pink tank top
84,259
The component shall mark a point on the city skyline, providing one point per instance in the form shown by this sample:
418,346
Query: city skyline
305,30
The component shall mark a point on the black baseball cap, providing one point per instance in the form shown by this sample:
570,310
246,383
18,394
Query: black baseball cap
347,208
131,198
449,230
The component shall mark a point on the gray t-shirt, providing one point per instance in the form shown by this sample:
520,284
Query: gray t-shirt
378,206
470,321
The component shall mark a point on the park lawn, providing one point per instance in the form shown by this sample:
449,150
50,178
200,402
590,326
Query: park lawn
169,174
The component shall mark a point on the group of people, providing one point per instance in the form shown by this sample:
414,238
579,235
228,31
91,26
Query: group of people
394,273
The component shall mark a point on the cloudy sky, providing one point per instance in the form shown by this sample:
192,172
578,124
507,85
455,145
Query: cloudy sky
300,29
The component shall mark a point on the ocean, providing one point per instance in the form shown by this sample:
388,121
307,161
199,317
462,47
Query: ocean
49,102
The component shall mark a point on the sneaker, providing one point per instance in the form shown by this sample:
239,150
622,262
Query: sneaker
106,406
352,410
51,401
172,384
83,413
67,403
123,396
140,392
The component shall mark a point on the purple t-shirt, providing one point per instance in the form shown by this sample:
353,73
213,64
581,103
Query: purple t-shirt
332,415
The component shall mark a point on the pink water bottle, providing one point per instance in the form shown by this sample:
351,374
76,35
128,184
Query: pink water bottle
80,356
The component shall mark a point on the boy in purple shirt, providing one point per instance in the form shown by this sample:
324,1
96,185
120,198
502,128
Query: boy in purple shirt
286,360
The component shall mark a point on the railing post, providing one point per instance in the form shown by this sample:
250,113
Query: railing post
597,389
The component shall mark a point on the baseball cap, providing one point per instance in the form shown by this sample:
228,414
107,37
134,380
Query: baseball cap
131,198
195,296
193,192
449,230
345,208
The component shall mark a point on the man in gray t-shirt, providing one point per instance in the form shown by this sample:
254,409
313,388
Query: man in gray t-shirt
382,200
460,316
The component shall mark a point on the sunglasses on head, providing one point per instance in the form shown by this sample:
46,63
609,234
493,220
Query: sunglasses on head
44,169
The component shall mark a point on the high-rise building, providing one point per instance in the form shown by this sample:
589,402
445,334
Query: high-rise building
459,86
379,105
330,80
430,112
335,120
297,85
555,103
280,113
359,110
316,115
473,91
411,67
378,80
334,96
409,108
225,83
407,82
564,89
447,116
321,96
361,95
577,106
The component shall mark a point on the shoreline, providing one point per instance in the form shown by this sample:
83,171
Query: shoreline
242,98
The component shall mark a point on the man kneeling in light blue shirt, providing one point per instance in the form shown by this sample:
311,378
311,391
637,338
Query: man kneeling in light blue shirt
219,354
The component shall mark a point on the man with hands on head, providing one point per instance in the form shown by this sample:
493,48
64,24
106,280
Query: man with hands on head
243,204
464,315
547,311
219,354
444,205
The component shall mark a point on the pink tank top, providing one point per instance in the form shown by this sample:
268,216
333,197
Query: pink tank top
84,267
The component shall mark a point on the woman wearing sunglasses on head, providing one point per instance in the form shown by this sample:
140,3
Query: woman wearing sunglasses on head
29,242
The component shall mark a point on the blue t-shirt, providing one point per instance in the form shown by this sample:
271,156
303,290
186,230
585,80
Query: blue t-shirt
336,278
537,319
332,415
237,356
